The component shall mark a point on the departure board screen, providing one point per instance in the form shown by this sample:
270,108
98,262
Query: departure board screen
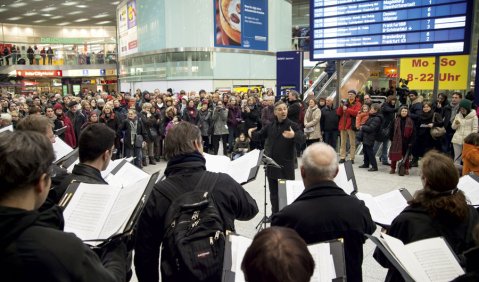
342,29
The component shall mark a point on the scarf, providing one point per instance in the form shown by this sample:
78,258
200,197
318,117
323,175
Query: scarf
133,126
401,134
185,161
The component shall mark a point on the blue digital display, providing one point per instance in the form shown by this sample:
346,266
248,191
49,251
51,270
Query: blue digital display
389,28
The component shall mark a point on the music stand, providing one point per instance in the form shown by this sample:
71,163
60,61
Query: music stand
265,161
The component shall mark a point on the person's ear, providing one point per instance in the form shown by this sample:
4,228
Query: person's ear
302,171
43,184
336,173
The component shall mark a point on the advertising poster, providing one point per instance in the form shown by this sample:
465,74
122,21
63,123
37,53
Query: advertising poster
241,24
127,28
420,72
289,74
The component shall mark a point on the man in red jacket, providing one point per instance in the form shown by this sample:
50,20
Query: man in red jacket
347,111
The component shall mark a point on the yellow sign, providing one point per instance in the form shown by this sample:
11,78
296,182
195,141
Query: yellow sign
420,72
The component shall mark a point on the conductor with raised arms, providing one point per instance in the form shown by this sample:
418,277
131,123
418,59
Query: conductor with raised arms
281,137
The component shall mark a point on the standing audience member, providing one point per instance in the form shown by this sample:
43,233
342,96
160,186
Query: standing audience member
312,124
280,137
329,123
470,154
325,212
149,122
220,128
186,166
402,135
450,115
64,121
388,111
251,116
277,254
440,209
369,131
348,110
415,113
234,122
33,247
134,137
464,124
427,120
204,118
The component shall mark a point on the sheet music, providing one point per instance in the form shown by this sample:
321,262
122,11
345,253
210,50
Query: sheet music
436,259
470,187
342,180
70,168
111,166
6,128
294,188
384,208
127,175
123,207
216,163
324,264
88,209
405,258
60,148
240,168
239,245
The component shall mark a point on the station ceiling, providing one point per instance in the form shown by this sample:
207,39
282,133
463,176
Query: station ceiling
59,12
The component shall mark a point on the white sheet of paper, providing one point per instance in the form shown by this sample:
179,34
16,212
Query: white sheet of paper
60,148
7,128
294,188
405,258
123,207
470,187
239,245
111,166
384,208
88,210
342,180
436,259
127,175
240,168
324,264
216,163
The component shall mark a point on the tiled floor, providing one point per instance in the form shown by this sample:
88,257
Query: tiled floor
374,183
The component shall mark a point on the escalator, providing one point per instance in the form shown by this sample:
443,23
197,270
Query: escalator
354,76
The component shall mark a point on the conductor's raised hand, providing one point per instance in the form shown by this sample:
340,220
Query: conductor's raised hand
250,131
288,134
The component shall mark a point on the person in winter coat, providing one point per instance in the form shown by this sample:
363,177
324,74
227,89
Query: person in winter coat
329,123
445,110
427,120
388,110
347,111
251,115
234,122
470,154
65,121
369,131
415,112
204,118
109,118
190,113
402,137
220,128
134,136
312,124
149,122
464,124
440,209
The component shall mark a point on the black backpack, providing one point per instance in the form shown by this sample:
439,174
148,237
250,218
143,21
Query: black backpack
194,241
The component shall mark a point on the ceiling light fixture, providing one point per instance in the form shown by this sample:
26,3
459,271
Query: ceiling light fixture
81,20
49,9
82,6
100,16
64,23
103,22
69,3
39,21
29,14
18,4
56,17
75,12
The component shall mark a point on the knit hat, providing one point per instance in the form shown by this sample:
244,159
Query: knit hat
466,104
57,106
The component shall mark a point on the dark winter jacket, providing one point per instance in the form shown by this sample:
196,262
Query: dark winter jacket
325,212
329,119
371,128
232,201
33,248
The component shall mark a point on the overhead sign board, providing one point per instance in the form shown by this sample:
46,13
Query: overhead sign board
389,28
39,73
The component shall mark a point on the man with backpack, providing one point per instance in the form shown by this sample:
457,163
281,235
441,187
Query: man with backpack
189,213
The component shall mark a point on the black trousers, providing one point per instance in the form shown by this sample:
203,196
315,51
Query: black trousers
369,158
216,143
273,195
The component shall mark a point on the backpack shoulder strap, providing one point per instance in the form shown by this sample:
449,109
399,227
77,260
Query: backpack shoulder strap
207,182
171,190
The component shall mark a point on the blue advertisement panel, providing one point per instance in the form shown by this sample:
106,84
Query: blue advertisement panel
289,71
241,24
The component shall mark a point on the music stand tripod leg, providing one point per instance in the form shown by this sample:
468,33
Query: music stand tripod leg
264,221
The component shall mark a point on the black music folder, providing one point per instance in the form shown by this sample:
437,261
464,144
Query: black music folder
328,257
424,260
97,212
